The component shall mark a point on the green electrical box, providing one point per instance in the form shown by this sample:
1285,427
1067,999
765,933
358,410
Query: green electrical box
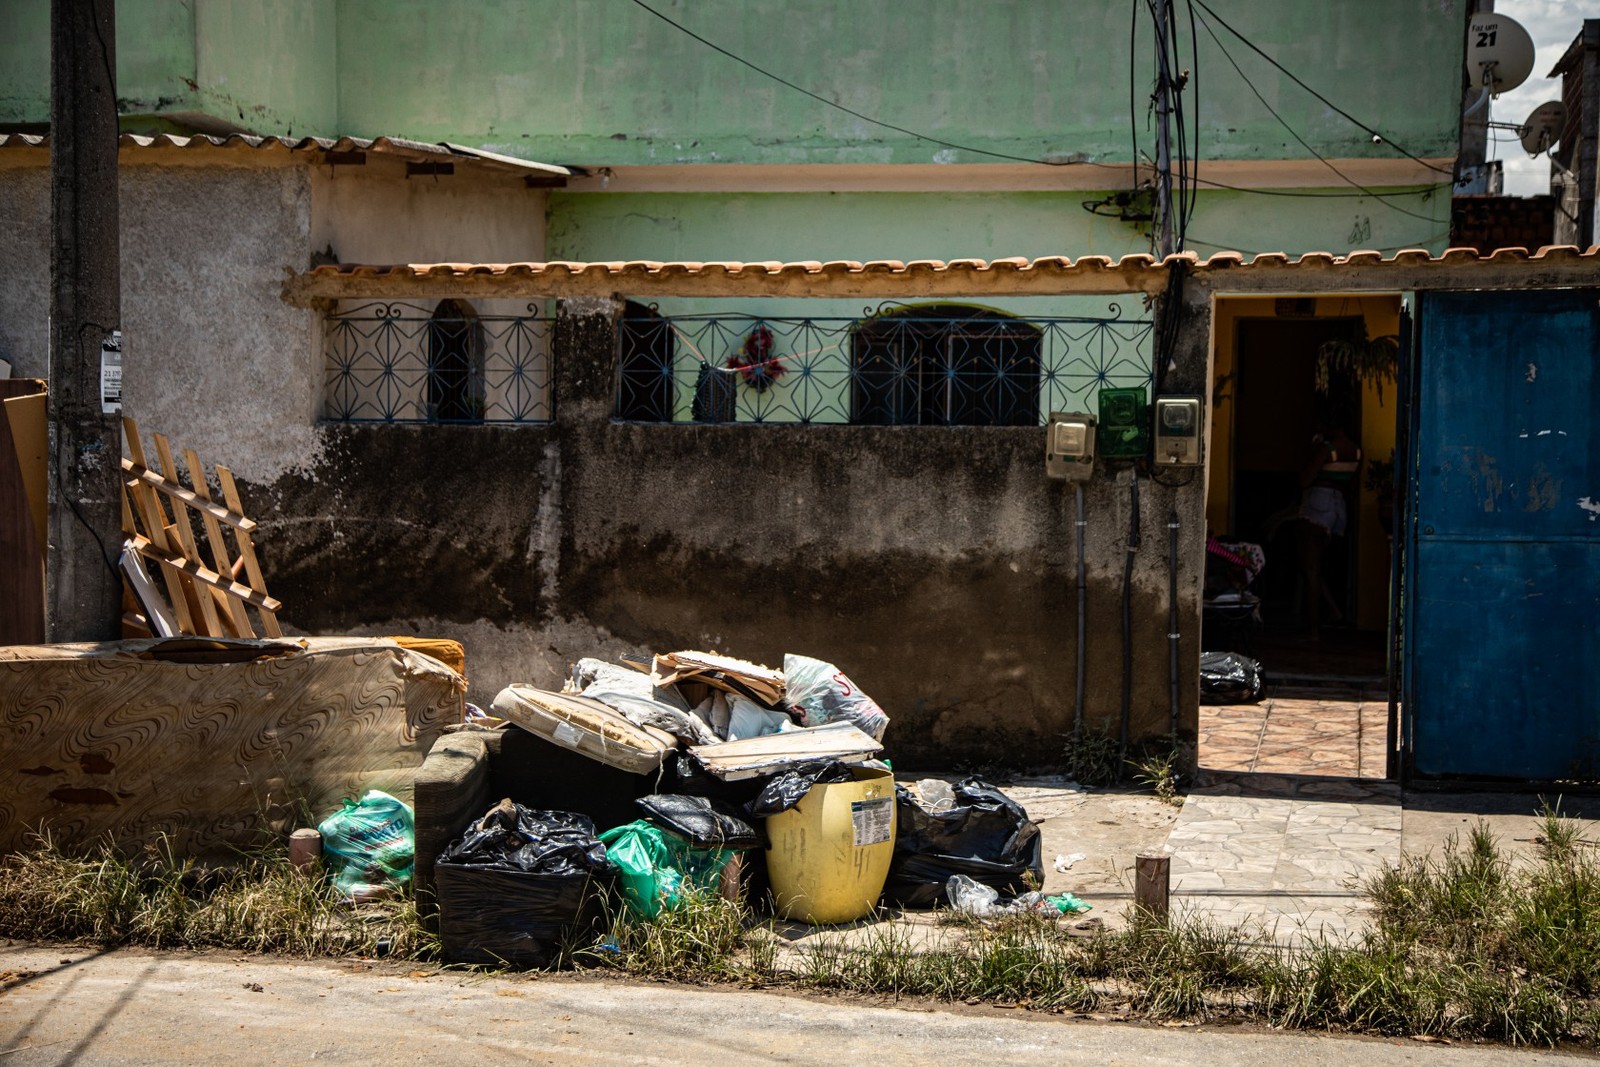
1124,425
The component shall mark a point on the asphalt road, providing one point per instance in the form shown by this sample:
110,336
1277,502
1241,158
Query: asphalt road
73,1006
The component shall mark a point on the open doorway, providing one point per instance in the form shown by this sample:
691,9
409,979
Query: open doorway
1284,426
1325,708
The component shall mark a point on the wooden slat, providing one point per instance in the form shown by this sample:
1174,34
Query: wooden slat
182,532
201,504
247,550
199,573
218,543
152,515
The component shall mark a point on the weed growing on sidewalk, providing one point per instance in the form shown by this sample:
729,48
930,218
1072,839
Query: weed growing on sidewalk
257,903
696,940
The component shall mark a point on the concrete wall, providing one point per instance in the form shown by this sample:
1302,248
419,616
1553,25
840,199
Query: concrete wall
212,356
934,565
607,83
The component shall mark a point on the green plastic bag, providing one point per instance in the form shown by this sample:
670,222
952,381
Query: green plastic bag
657,869
370,845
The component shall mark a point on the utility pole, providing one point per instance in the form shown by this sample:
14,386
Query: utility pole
85,592
1158,9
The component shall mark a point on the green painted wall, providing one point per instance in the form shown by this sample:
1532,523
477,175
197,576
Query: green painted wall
907,226
155,58
604,82
607,82
269,67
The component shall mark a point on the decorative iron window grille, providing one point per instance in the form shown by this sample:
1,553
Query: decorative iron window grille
943,364
405,363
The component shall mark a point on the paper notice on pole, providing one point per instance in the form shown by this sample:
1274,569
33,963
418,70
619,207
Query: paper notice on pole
111,374
873,819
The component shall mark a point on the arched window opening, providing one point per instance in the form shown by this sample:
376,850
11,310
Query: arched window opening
945,365
455,364
646,350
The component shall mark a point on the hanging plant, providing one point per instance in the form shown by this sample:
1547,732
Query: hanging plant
756,362
1361,360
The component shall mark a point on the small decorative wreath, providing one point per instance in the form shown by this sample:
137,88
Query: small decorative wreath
755,362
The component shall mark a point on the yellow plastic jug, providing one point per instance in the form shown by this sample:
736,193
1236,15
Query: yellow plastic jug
829,855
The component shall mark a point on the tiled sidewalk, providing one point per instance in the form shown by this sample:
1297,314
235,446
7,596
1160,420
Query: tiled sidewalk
1299,732
1287,858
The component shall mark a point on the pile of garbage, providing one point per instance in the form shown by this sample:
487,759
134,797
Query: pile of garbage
763,784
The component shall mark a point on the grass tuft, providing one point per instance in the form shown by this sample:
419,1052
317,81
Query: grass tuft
259,903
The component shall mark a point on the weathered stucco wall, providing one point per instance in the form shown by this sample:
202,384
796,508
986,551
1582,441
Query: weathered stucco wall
935,565
374,213
212,356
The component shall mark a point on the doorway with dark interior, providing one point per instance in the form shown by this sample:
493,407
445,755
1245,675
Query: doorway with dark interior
1295,477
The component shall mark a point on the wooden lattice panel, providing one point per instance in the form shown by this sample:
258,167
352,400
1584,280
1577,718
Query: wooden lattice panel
199,551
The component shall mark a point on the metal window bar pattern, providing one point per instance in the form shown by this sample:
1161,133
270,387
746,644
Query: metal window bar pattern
404,363
893,366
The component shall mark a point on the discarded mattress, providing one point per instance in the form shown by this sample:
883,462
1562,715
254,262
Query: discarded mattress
210,741
586,726
732,761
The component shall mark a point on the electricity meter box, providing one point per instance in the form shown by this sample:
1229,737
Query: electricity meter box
1123,431
1069,447
1177,431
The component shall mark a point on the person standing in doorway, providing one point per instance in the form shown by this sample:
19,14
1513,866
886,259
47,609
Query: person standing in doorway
1325,484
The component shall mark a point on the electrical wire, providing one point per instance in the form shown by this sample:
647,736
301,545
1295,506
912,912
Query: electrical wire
1334,107
1134,163
865,117
1380,197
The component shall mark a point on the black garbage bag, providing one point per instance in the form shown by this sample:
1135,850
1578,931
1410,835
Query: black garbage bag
517,883
783,791
513,837
707,824
987,836
1229,678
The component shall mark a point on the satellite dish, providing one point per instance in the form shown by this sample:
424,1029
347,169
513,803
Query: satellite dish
1543,127
1499,52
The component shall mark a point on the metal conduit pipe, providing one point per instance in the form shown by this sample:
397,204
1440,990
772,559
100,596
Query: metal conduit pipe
1172,617
1127,625
1083,602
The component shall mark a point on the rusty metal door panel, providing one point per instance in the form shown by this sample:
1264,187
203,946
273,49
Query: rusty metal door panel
1503,590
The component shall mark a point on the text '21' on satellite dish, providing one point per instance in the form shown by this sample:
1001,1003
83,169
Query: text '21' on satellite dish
1543,127
1499,52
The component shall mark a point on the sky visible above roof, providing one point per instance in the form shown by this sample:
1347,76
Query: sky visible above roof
1552,24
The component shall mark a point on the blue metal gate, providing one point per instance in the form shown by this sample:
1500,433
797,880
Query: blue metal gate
1502,573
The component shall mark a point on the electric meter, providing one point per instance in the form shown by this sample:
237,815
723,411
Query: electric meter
1069,446
1177,431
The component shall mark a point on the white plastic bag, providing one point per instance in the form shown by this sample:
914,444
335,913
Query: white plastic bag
820,693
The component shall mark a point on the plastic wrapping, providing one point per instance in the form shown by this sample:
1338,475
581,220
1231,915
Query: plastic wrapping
983,902
704,823
512,837
783,791
517,882
819,693
502,917
1229,678
987,836
369,844
656,869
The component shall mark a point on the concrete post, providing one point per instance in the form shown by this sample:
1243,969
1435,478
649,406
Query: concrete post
85,308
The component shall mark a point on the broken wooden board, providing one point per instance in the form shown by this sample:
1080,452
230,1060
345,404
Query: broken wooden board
216,743
586,726
733,761
762,684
